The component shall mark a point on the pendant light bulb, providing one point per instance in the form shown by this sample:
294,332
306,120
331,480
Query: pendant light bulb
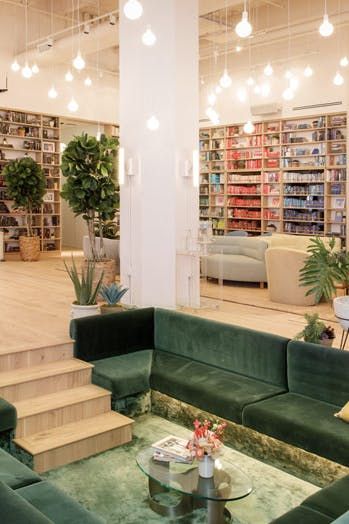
73,106
88,81
248,127
79,62
133,9
241,95
148,37
69,76
52,93
238,48
268,70
210,111
15,66
35,68
243,29
218,90
308,72
344,62
288,94
250,81
225,80
294,83
212,99
265,89
338,79
326,28
26,71
288,74
257,90
153,123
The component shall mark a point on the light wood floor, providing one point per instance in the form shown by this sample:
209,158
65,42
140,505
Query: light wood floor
35,302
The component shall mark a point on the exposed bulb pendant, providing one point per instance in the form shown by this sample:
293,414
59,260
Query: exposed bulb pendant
308,72
218,90
250,81
52,93
133,9
326,28
15,66
35,68
225,80
73,106
88,81
243,29
79,62
248,127
241,95
288,75
265,89
338,79
69,76
153,123
344,62
288,94
268,70
26,71
148,37
212,99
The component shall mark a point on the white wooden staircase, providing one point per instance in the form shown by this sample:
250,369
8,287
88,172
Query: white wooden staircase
62,417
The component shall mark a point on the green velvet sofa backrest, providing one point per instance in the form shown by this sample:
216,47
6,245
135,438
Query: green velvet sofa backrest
318,372
232,348
16,510
114,334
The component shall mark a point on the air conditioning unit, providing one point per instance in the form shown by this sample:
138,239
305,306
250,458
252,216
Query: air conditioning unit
265,109
45,46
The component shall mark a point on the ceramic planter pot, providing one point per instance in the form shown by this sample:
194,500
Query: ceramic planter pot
78,311
206,467
106,310
341,310
29,248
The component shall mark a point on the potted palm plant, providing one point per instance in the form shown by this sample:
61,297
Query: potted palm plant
316,331
86,291
89,166
25,184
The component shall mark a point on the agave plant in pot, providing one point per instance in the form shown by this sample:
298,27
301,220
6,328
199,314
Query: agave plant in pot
86,290
25,184
89,166
112,295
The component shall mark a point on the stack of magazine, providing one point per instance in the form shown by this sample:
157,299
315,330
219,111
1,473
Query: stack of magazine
172,449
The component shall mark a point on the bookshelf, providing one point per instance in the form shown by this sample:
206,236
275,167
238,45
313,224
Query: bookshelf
36,135
290,172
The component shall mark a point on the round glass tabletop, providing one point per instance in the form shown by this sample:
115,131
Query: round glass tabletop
228,482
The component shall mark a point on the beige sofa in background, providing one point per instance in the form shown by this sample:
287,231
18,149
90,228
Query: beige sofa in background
299,242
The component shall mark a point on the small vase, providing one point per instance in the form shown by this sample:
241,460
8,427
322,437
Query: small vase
206,467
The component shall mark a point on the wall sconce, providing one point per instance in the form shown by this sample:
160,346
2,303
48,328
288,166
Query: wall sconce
126,167
192,168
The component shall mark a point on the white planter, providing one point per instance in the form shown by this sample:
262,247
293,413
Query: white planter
206,467
341,310
78,311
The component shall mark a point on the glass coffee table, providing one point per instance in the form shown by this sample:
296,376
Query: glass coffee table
227,484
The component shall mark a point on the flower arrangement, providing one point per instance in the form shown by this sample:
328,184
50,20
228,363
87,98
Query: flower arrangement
206,439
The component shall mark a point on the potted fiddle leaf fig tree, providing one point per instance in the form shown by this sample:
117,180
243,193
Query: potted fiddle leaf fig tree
89,166
25,185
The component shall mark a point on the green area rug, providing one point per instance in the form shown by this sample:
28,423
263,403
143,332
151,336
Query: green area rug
111,484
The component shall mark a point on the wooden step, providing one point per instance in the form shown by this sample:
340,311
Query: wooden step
65,444
24,358
48,378
56,409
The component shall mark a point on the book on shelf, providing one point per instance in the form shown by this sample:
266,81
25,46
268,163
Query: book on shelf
172,448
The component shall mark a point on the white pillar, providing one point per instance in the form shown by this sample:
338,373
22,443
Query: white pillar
159,205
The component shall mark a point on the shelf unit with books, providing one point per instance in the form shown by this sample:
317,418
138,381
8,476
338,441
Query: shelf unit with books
290,172
37,135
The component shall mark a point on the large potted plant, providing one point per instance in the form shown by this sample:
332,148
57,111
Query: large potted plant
111,241
25,185
86,290
89,166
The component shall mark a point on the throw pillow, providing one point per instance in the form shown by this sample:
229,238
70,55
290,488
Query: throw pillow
344,413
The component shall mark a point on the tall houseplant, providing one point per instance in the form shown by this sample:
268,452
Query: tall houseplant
25,184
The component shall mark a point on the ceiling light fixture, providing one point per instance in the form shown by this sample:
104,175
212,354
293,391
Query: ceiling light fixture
26,71
250,81
326,28
241,95
79,62
218,90
257,90
212,99
238,48
344,62
288,75
265,89
35,68
88,81
338,79
248,127
52,93
308,72
73,106
294,83
268,70
69,76
133,9
153,123
243,29
225,80
15,66
148,37
288,94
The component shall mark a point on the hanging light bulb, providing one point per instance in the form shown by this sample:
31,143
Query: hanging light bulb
98,134
288,94
225,80
15,66
26,71
133,9
52,93
148,37
79,62
288,75
73,106
212,99
265,89
241,95
257,90
338,79
238,48
268,70
248,127
69,76
326,28
88,81
153,123
308,72
294,83
250,81
218,90
344,62
243,29
35,68
210,111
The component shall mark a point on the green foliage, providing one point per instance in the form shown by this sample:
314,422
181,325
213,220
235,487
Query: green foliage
25,184
85,291
113,293
323,269
313,331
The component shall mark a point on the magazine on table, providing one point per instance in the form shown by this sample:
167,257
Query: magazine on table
172,448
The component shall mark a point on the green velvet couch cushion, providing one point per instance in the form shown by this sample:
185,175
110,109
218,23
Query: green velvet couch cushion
124,375
105,336
57,505
302,515
318,372
14,473
303,422
15,510
232,348
333,500
206,387
8,415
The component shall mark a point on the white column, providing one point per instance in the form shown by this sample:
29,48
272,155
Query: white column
159,206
